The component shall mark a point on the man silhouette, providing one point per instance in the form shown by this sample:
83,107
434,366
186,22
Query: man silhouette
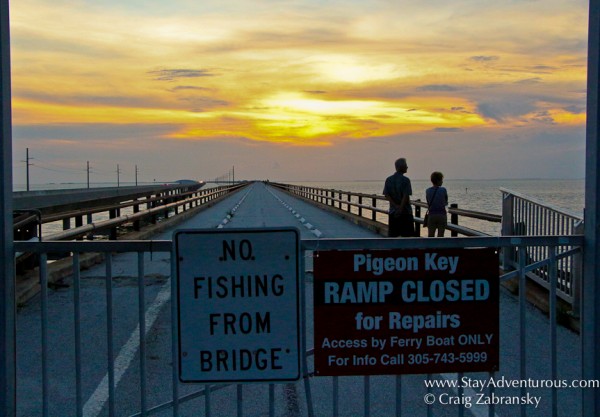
397,191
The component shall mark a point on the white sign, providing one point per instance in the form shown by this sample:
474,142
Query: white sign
238,295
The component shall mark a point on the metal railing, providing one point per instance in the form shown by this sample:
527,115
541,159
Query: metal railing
178,396
374,208
158,206
526,216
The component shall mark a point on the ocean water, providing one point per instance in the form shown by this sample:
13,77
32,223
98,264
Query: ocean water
483,195
75,185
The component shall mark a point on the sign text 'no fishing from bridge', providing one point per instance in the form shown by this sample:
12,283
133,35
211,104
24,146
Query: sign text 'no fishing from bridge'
238,294
406,311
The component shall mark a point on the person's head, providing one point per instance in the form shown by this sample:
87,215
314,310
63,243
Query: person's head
437,178
401,165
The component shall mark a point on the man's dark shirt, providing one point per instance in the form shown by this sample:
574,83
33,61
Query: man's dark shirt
397,186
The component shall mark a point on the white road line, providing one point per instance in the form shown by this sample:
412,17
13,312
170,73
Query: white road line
93,406
301,219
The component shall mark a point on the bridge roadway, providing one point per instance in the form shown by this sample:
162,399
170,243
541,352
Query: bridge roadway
256,206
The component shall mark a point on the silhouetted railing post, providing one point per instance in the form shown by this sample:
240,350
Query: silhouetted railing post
136,223
508,202
374,205
417,224
360,206
577,272
454,219
112,213
79,223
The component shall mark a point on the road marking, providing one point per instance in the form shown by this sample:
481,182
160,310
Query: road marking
301,219
93,406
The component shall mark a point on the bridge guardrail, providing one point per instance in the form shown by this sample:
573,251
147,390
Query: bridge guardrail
356,204
526,216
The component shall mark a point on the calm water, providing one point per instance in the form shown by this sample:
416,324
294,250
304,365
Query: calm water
483,195
73,185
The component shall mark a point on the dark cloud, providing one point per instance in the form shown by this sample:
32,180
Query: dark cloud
448,129
534,80
575,109
543,117
203,103
484,58
461,109
83,100
188,88
543,69
177,73
384,92
438,87
315,91
502,110
88,131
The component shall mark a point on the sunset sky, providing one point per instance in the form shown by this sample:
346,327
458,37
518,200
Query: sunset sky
298,90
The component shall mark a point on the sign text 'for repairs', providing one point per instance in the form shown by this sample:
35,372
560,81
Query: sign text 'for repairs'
406,311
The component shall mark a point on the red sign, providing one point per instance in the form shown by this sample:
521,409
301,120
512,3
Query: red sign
396,312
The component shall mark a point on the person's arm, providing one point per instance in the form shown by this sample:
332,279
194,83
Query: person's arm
405,200
393,204
398,205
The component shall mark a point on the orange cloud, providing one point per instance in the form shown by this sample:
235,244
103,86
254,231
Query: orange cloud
224,73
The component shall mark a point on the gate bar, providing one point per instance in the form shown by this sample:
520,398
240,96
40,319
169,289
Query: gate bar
590,320
44,323
142,324
110,348
77,330
8,402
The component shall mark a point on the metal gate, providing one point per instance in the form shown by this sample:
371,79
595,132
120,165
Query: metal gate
104,343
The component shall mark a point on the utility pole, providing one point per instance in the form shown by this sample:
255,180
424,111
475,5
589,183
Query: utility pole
27,165
136,175
233,173
88,174
118,176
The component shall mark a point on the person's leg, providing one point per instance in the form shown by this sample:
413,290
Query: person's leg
407,228
438,223
393,226
431,228
443,224
441,230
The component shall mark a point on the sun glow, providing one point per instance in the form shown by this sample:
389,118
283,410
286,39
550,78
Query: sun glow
348,69
297,119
